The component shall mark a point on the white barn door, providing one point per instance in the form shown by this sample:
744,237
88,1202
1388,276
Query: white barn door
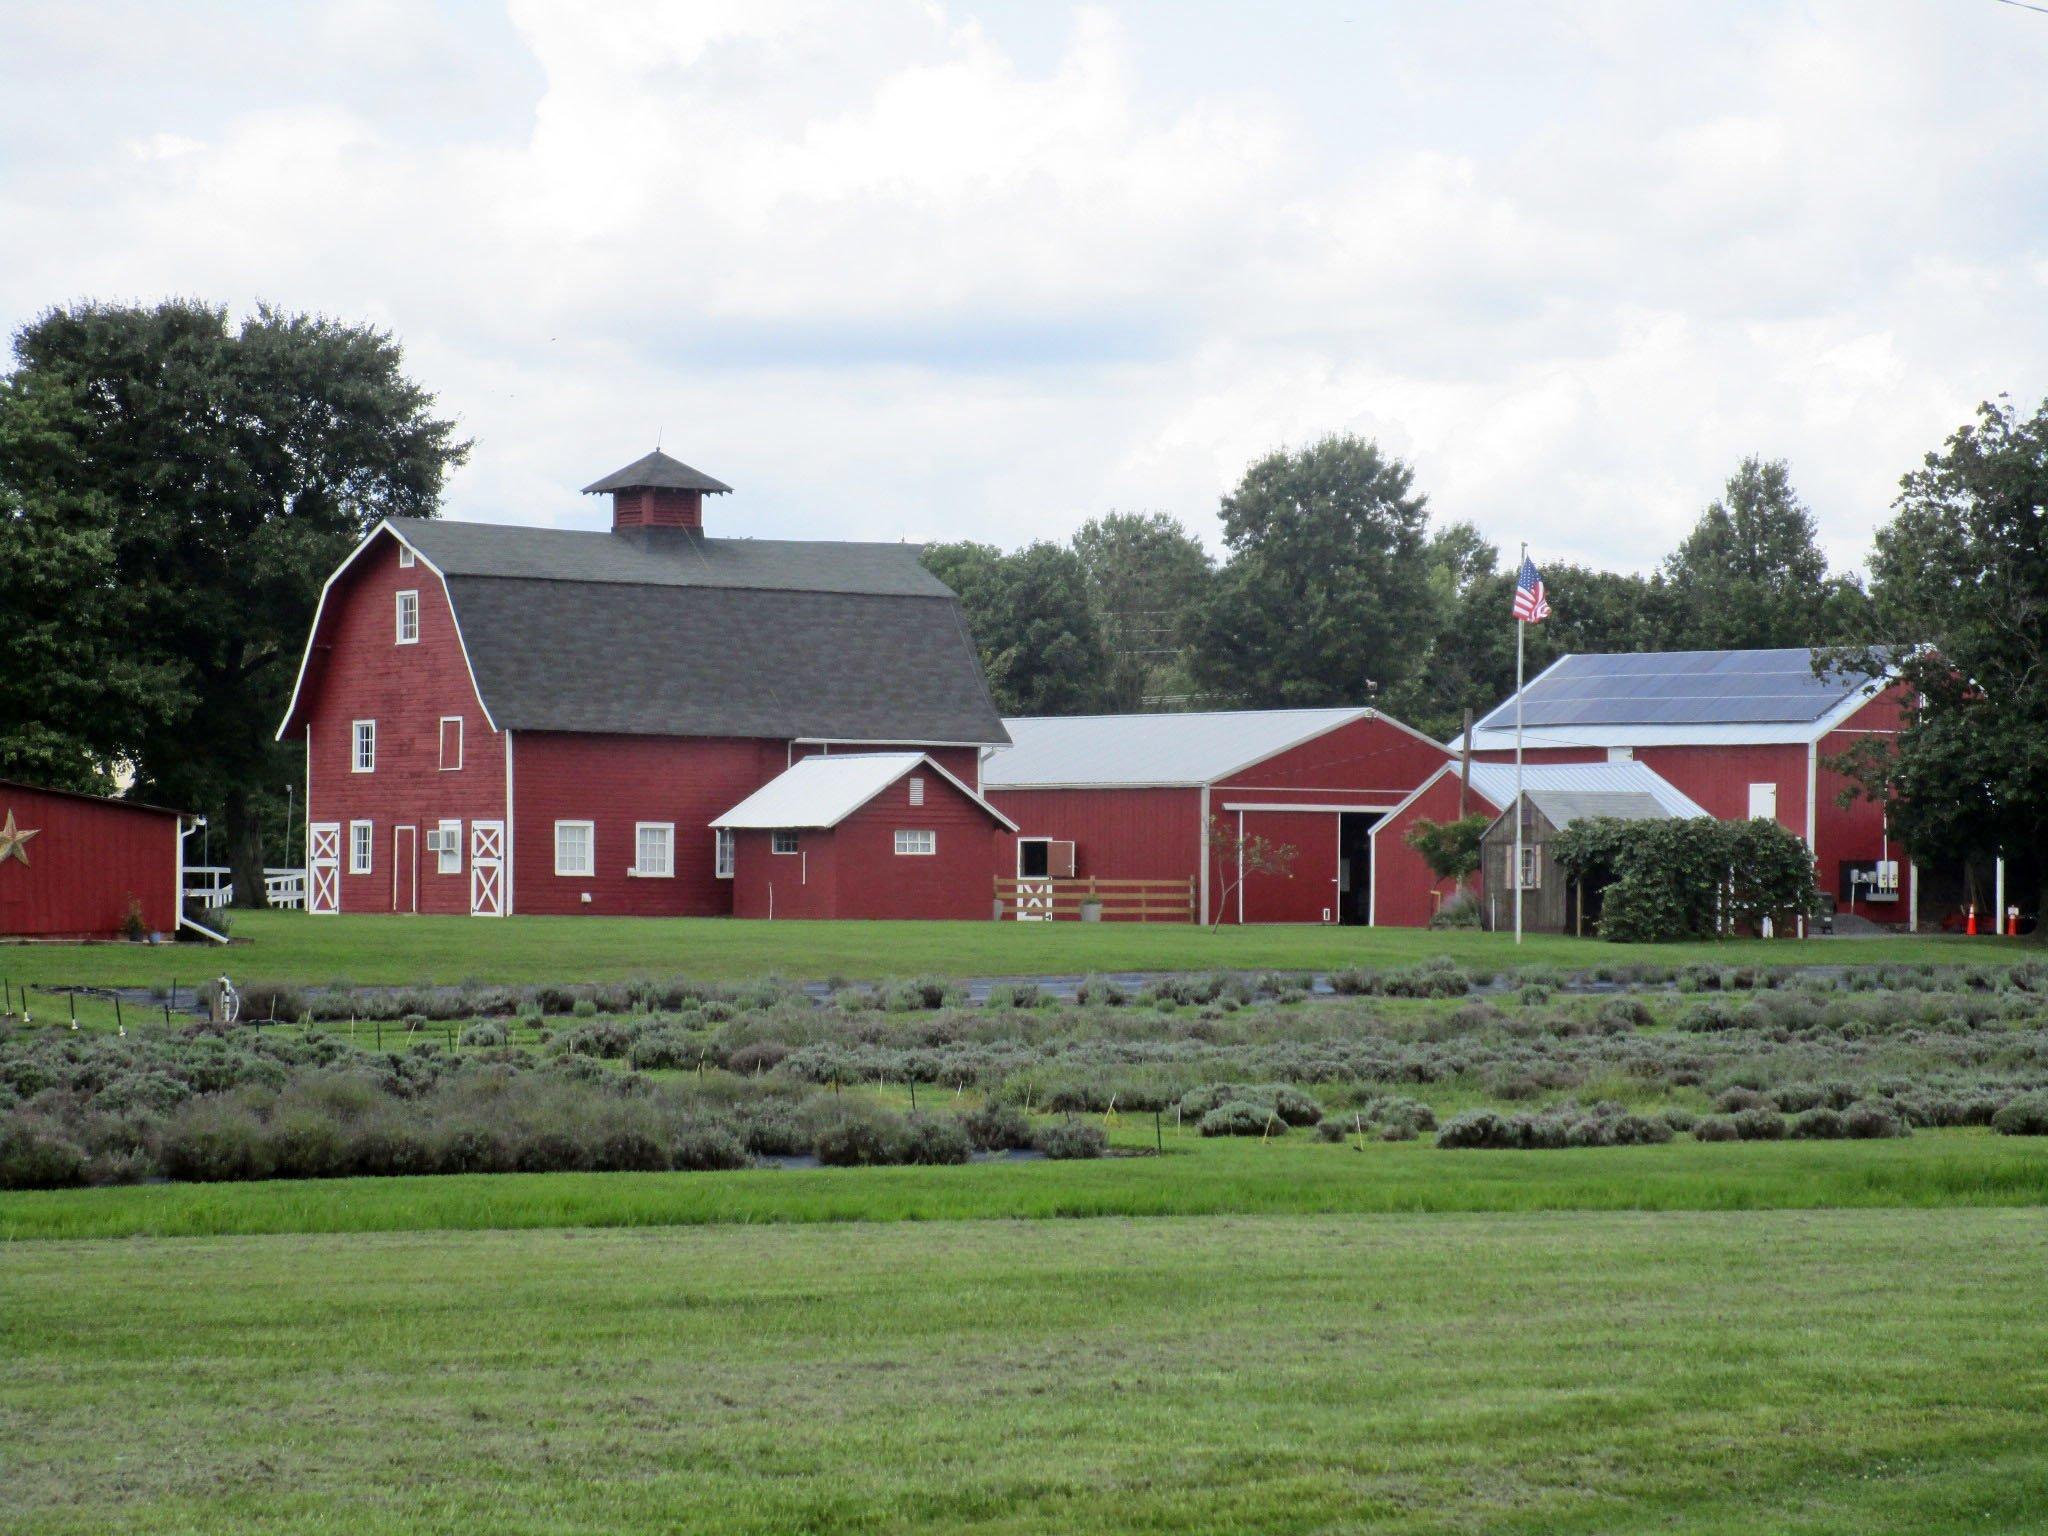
323,866
487,869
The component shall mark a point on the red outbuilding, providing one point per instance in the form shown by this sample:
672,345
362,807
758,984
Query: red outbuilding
1738,733
865,835
82,867
1136,797
539,720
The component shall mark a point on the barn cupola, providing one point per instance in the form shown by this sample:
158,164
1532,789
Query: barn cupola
657,492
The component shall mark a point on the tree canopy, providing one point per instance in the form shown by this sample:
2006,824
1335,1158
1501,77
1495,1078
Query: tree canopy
1962,569
1040,645
1146,576
184,484
1326,595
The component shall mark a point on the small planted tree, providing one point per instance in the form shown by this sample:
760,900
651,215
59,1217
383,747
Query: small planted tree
1239,856
1449,848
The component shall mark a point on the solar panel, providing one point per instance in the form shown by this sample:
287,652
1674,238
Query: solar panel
1678,688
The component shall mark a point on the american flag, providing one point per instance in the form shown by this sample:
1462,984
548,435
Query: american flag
1530,605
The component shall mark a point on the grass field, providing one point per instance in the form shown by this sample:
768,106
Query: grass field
1702,1372
292,947
1197,1177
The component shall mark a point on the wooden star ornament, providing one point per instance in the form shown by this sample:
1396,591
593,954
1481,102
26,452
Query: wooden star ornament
14,840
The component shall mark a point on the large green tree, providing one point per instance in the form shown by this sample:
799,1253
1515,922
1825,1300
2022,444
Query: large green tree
1032,623
1325,597
1962,570
1146,577
210,473
1751,573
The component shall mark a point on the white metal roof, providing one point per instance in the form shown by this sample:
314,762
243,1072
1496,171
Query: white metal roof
1084,750
1494,783
824,790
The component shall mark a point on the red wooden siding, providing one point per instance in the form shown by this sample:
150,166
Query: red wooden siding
1308,890
88,862
1855,832
1118,834
359,672
615,782
853,869
1405,893
1371,760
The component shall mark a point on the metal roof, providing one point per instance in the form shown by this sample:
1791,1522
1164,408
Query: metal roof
823,791
1679,688
667,557
1198,748
1562,807
657,471
1579,783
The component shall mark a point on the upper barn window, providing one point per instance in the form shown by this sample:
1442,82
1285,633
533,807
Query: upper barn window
917,842
408,618
451,742
365,757
406,559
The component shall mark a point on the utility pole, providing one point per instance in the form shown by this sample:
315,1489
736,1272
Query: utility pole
1521,634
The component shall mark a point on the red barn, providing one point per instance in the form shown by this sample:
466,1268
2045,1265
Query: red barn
504,719
1133,797
81,867
1741,733
865,835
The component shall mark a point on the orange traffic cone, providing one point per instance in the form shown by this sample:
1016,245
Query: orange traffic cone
1970,923
2012,922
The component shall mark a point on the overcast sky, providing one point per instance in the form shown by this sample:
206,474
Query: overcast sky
985,270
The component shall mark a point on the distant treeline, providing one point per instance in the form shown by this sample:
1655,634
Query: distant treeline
1336,587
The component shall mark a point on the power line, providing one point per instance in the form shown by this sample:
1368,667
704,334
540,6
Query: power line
2026,5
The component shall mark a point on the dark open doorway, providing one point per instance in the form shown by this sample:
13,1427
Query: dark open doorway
1354,867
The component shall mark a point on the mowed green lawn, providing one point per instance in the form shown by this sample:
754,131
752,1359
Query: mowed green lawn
1778,1372
292,947
1196,1177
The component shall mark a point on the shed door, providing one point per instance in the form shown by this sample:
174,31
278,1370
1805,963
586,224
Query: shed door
487,869
1763,802
323,867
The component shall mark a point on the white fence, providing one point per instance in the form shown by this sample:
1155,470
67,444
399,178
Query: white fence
213,886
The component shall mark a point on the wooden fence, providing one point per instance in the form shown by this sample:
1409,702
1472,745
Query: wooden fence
1144,901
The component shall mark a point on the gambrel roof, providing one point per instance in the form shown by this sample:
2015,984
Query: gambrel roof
665,632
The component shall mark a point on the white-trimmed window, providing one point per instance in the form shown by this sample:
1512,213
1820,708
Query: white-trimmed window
654,849
451,742
362,844
917,789
721,852
408,618
575,848
364,756
406,559
450,849
783,841
1532,867
919,843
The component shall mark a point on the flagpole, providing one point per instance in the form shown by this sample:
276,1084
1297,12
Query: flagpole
1521,633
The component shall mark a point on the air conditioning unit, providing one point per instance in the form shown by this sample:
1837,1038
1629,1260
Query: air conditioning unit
434,842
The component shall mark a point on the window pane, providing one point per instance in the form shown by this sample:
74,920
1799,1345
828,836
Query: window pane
652,855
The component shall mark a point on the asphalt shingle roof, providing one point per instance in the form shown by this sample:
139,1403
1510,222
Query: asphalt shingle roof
664,632
657,471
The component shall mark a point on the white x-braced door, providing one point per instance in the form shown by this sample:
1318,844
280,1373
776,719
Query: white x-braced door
487,869
323,867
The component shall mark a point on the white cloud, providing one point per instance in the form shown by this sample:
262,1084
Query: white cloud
905,269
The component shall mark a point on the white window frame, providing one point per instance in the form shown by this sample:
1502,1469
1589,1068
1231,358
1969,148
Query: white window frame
408,607
784,835
589,865
721,853
917,789
441,743
406,558
362,752
449,855
362,847
668,853
1532,866
916,842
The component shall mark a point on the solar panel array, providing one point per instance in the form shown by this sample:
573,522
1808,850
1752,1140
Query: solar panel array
1679,688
